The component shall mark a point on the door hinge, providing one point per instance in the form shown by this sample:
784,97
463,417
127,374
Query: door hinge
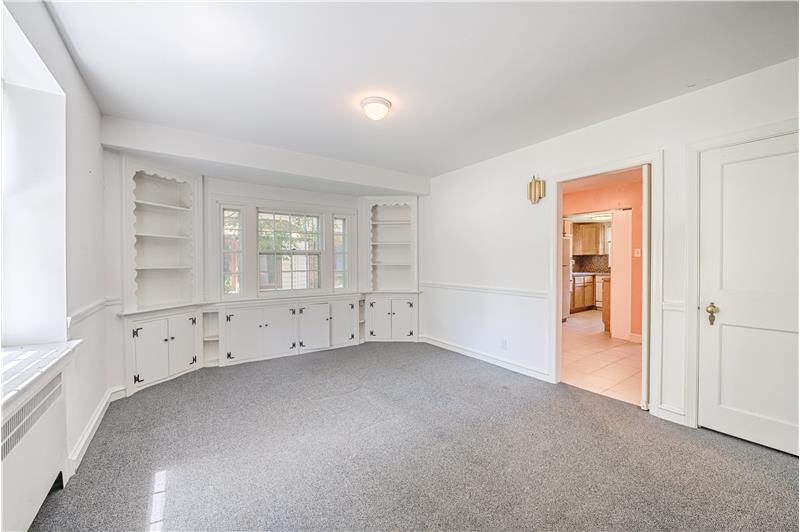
193,319
302,344
410,333
194,360
135,332
372,333
371,303
410,304
137,379
352,306
229,356
352,336
228,317
293,311
301,309
294,344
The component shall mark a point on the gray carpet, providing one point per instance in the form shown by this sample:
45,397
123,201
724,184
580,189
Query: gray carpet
408,436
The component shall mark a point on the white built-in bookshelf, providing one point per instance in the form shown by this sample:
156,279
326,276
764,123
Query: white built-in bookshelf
163,225
392,254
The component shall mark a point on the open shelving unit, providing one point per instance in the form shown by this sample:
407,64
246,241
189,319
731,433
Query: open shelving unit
162,226
392,257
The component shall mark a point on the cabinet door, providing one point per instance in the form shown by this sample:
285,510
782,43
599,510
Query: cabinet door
401,318
379,315
182,355
580,290
280,330
589,293
315,326
577,239
344,322
243,333
152,351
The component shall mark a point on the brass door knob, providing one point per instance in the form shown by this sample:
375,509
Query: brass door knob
712,310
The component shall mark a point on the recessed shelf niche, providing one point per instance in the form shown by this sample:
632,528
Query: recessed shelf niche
392,257
164,240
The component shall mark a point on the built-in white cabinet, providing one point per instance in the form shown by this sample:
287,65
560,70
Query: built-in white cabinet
162,346
273,330
344,323
391,318
315,329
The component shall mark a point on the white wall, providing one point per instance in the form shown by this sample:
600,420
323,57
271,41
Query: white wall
34,282
485,250
85,381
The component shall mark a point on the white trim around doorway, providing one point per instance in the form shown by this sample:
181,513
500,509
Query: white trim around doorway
652,275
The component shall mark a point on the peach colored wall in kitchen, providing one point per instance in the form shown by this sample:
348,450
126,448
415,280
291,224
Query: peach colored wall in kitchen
621,190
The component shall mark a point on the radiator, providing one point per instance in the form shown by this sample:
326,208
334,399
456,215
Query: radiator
33,453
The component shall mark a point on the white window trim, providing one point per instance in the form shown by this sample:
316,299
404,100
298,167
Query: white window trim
322,250
351,243
250,207
243,269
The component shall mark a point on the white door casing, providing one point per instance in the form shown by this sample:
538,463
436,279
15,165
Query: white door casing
152,351
315,331
182,343
748,358
280,331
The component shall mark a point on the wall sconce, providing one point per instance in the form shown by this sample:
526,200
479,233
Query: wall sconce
535,190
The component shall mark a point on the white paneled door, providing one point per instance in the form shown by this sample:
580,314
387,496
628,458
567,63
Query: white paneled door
152,351
401,318
748,351
182,354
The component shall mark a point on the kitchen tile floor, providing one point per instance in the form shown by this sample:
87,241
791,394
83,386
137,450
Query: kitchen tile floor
594,361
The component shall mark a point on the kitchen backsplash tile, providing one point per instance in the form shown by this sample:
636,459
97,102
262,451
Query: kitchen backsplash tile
591,263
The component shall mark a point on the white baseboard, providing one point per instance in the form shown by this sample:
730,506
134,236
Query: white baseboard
524,370
77,452
636,338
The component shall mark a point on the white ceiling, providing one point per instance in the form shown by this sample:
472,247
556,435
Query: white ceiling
468,81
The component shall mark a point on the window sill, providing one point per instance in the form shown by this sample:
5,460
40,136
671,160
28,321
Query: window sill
26,367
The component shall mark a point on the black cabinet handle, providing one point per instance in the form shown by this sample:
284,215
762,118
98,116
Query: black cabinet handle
166,339
171,337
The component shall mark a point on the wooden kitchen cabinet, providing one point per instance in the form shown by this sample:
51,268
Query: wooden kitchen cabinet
582,293
588,239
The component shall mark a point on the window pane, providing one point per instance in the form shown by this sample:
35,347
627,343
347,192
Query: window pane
300,262
299,280
266,241
338,243
313,279
231,283
231,262
338,280
338,225
282,223
266,221
340,262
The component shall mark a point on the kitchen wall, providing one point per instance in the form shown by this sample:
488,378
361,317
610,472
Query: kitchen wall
619,193
486,253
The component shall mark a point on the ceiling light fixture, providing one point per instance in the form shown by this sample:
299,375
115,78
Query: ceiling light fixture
375,107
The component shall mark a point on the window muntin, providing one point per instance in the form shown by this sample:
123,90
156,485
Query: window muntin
289,249
232,251
340,255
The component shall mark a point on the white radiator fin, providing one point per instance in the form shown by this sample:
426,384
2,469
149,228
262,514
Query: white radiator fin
28,414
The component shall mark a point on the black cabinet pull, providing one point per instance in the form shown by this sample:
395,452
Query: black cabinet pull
171,337
166,339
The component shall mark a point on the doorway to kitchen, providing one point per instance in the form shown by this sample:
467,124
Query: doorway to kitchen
604,272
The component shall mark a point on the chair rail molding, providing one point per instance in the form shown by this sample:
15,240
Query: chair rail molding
536,294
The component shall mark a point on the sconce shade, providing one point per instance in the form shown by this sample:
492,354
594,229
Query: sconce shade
536,190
